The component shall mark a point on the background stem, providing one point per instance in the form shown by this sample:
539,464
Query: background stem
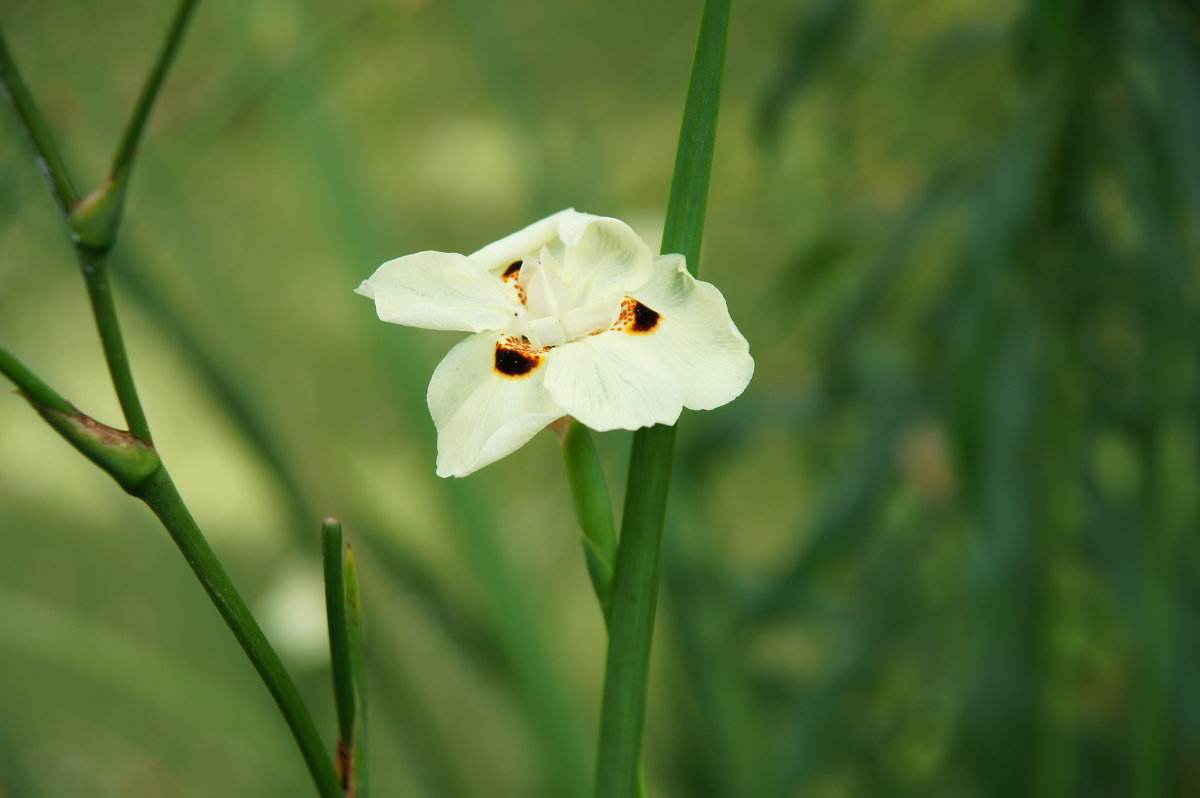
154,81
335,612
161,495
31,384
49,160
95,274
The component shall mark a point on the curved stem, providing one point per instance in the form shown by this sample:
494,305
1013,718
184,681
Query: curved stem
154,81
593,510
161,495
31,384
635,583
335,614
31,121
95,274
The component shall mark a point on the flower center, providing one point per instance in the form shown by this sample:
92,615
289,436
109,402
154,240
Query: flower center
554,313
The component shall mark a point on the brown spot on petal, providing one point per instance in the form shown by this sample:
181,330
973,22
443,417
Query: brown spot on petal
510,276
516,358
644,319
636,318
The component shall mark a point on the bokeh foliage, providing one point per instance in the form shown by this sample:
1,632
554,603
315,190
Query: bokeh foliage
945,544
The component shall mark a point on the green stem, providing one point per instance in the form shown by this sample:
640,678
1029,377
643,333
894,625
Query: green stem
344,611
684,225
635,583
161,495
634,600
94,224
593,510
154,81
339,644
31,384
49,160
95,274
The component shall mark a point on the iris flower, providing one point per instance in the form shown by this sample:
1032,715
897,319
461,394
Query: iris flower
572,316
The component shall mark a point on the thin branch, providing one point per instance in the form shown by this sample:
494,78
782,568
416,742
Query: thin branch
34,126
31,384
160,493
95,273
141,111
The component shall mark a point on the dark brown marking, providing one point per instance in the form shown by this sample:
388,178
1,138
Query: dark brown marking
515,362
513,268
644,319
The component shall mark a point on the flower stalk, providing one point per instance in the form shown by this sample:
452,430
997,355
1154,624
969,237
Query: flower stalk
638,567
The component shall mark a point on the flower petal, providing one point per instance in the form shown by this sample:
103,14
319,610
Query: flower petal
499,255
441,291
694,334
613,381
604,257
487,400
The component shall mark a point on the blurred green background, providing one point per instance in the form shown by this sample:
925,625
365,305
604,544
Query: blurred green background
945,544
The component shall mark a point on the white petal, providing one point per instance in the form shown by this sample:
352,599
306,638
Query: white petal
441,291
604,257
482,415
499,255
546,331
613,381
695,335
588,319
546,293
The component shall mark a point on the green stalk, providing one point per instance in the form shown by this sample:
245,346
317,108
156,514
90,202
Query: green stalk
344,613
635,583
33,124
31,384
95,274
635,595
129,457
96,218
593,510
154,81
339,644
163,498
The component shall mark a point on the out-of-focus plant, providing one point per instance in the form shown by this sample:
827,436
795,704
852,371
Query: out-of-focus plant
129,456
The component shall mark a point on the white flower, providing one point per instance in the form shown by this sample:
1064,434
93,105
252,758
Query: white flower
573,315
